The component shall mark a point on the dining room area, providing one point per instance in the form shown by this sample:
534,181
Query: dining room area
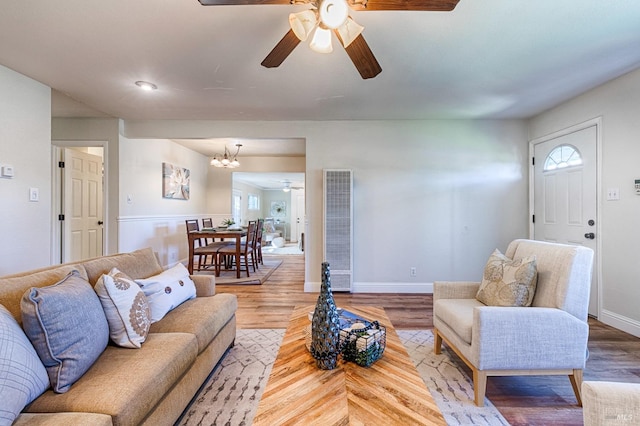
234,254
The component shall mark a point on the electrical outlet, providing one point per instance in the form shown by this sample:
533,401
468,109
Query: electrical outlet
413,272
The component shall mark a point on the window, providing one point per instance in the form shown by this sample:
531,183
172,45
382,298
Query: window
562,156
253,202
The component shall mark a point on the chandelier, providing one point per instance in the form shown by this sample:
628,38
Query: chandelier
227,160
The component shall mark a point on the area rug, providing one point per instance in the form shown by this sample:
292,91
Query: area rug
261,274
231,394
288,249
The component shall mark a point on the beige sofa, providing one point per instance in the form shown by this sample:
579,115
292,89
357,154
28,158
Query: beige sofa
150,385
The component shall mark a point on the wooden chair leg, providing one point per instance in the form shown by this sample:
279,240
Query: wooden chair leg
479,386
576,382
437,342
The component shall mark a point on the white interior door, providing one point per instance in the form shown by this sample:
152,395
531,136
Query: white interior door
83,224
565,189
297,215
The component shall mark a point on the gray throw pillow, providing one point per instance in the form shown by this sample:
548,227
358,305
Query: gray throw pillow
22,375
67,327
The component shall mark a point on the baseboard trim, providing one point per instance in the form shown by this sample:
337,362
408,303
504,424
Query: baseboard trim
620,322
363,287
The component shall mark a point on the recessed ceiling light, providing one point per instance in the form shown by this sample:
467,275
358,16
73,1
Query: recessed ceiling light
145,85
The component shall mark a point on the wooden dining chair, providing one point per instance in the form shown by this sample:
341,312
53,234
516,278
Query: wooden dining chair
247,249
207,251
258,246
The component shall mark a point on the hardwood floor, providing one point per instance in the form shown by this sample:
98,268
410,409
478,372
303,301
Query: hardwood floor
533,400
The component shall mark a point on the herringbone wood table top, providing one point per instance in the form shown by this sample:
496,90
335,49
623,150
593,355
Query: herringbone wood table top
389,392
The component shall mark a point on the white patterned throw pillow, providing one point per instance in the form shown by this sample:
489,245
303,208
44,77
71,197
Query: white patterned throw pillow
22,375
125,307
167,290
508,282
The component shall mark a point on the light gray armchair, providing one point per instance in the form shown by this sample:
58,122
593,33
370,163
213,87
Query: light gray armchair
550,337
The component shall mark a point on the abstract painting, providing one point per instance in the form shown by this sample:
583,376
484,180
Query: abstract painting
175,182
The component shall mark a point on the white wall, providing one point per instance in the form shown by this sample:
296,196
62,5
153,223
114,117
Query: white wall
147,219
25,144
438,195
618,103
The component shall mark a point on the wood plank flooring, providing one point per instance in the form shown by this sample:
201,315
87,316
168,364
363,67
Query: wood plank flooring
534,400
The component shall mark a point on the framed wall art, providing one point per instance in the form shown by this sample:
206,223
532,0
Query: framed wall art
175,182
278,208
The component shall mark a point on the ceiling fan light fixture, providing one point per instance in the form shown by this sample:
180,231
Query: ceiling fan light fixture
146,86
333,13
303,23
349,31
321,41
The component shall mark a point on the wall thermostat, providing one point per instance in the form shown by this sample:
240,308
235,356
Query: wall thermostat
6,171
638,186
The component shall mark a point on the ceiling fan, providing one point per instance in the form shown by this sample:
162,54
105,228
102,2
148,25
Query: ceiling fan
326,16
286,186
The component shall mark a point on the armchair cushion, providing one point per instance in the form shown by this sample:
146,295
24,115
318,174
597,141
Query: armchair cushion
458,314
508,282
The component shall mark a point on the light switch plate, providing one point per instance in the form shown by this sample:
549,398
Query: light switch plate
34,194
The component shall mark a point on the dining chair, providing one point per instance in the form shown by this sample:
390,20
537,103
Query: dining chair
258,246
192,225
247,249
205,249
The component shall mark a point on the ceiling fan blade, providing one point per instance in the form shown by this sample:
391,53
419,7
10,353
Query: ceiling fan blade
241,2
424,5
362,57
281,51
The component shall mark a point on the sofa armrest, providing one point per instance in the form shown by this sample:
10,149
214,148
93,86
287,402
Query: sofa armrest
610,402
455,290
537,338
205,285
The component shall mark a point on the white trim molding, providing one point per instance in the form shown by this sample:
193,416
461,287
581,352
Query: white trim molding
620,322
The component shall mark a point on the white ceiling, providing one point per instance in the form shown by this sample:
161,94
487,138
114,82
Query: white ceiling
270,181
486,59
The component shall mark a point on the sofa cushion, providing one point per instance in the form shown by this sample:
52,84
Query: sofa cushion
13,287
508,282
125,307
63,419
67,327
195,316
22,376
149,374
137,264
167,290
457,314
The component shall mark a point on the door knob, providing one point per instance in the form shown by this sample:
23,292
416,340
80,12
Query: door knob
100,222
589,235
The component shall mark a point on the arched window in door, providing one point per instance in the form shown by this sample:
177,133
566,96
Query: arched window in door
562,156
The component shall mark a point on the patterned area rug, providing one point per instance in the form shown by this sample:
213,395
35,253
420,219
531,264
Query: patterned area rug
231,395
262,274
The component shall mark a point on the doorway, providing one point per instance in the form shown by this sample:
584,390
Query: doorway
78,203
565,176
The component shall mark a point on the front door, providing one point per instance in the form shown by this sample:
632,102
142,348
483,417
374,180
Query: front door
83,224
565,193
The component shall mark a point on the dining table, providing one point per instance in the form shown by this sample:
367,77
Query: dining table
222,233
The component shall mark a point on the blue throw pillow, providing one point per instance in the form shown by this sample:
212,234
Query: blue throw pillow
67,327
22,375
